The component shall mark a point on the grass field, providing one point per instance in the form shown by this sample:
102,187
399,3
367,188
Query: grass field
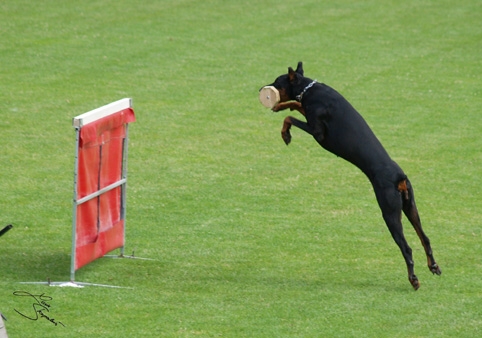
250,238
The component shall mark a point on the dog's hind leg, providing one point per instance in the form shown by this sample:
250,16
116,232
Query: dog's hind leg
410,210
391,206
395,227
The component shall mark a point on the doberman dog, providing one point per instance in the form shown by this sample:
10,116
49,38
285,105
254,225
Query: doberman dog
340,129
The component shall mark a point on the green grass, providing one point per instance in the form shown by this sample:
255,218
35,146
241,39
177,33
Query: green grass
250,238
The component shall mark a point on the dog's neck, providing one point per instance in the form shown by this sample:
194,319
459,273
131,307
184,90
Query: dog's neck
300,97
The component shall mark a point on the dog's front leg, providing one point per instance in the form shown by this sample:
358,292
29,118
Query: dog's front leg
285,131
292,105
288,122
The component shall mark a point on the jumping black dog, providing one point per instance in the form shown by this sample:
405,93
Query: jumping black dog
340,129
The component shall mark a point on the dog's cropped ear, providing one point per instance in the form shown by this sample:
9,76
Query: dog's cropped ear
291,74
299,69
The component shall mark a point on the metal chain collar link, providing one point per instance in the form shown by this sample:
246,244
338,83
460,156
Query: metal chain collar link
299,97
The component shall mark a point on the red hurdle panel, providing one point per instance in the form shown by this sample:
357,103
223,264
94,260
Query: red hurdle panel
100,177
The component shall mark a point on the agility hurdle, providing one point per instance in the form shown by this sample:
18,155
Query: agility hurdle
100,183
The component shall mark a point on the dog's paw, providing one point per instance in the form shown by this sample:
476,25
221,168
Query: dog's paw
286,135
414,281
435,269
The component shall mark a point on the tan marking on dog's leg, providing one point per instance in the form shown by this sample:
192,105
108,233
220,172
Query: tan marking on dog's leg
402,187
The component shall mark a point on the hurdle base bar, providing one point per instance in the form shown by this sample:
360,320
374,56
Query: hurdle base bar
129,257
75,284
121,255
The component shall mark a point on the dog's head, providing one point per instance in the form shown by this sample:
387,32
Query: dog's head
289,85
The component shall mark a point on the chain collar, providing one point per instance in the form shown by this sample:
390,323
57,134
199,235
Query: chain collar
299,97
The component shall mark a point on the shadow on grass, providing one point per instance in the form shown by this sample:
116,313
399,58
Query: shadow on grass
317,281
35,266
321,284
